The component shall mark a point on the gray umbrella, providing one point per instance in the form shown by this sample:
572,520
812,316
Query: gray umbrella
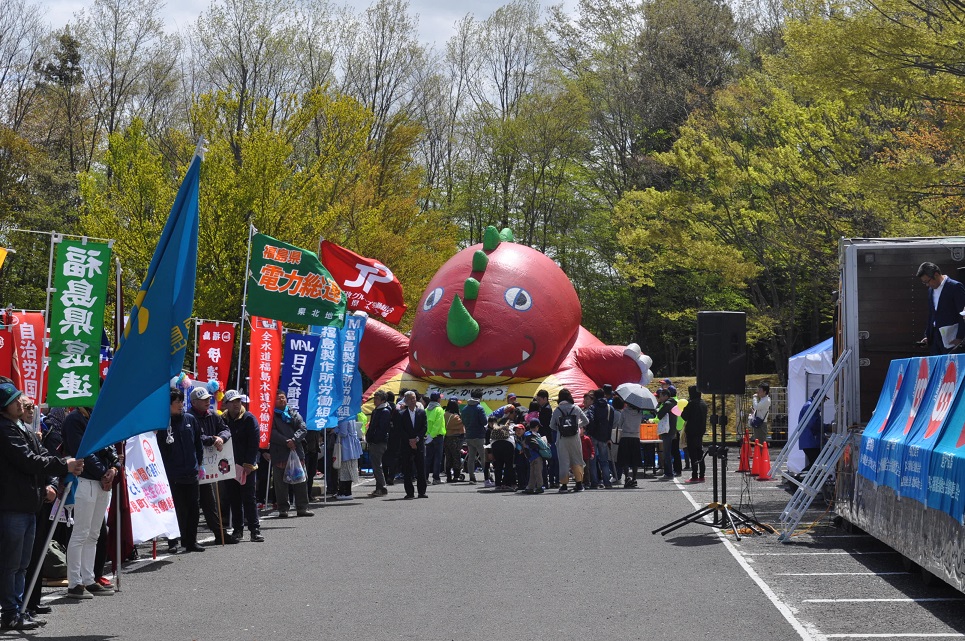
637,395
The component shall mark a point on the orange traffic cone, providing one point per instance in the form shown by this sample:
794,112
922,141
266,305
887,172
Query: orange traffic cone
745,458
765,468
756,463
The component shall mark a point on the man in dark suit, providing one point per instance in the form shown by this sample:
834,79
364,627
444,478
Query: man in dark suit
946,300
412,451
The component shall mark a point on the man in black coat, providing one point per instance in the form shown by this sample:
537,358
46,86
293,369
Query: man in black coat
377,438
214,433
182,453
412,451
695,417
241,495
26,469
946,301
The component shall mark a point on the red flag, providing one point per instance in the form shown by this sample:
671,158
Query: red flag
265,360
216,342
369,285
28,335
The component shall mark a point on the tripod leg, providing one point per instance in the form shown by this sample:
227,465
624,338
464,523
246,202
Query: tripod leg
684,520
733,525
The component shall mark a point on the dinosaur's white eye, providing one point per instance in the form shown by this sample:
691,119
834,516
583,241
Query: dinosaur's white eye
432,299
518,298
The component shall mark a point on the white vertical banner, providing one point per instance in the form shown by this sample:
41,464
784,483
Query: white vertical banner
149,495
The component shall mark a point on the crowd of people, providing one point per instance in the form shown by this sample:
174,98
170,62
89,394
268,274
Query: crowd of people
532,448
418,440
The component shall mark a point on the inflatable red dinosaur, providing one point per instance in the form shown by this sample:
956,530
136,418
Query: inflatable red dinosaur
500,316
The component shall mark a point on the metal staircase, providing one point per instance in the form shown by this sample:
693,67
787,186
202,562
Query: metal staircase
812,485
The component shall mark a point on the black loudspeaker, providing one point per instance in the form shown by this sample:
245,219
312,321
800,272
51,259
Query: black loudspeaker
721,352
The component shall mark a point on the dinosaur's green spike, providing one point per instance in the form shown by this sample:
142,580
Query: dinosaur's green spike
461,328
479,261
472,289
490,239
506,235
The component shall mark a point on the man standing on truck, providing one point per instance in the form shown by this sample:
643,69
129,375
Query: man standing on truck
946,327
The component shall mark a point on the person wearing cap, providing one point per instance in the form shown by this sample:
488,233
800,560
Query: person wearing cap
435,437
183,454
214,433
551,469
240,490
92,495
287,430
27,480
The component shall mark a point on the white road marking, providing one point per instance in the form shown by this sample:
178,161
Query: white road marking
815,553
840,573
782,607
899,635
897,600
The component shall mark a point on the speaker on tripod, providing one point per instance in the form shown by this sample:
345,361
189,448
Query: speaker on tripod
721,352
721,369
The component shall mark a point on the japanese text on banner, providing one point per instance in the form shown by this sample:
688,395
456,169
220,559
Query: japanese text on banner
76,323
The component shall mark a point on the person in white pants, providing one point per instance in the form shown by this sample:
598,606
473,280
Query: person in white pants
91,498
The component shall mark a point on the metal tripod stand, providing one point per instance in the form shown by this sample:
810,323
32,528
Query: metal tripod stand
725,516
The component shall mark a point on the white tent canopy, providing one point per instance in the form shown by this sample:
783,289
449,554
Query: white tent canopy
806,372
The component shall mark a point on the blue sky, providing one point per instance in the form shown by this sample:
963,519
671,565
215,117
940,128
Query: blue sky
437,18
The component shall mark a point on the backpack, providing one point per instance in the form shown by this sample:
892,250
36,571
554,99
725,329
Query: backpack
602,423
544,448
568,424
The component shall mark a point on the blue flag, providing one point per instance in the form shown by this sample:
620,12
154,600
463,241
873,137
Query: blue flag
135,397
297,368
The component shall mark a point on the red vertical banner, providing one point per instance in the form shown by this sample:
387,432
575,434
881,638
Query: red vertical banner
215,347
265,360
6,353
28,336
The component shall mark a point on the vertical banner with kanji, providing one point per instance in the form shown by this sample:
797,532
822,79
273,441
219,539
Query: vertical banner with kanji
28,334
351,336
325,391
296,369
265,360
215,347
76,323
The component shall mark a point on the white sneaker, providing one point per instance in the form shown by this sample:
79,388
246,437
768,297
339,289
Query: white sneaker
344,497
489,483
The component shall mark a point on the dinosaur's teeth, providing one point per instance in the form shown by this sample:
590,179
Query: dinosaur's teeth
525,354
514,370
415,356
447,374
479,374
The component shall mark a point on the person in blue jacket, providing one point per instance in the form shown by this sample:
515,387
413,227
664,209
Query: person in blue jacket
810,439
182,453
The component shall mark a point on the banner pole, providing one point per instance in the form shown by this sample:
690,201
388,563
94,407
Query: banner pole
194,367
61,499
54,239
244,310
122,451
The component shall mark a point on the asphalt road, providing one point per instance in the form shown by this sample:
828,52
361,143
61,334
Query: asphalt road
470,564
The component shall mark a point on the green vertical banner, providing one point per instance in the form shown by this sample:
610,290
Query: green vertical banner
77,323
289,284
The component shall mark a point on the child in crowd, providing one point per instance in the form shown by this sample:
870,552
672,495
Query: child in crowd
589,456
534,444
